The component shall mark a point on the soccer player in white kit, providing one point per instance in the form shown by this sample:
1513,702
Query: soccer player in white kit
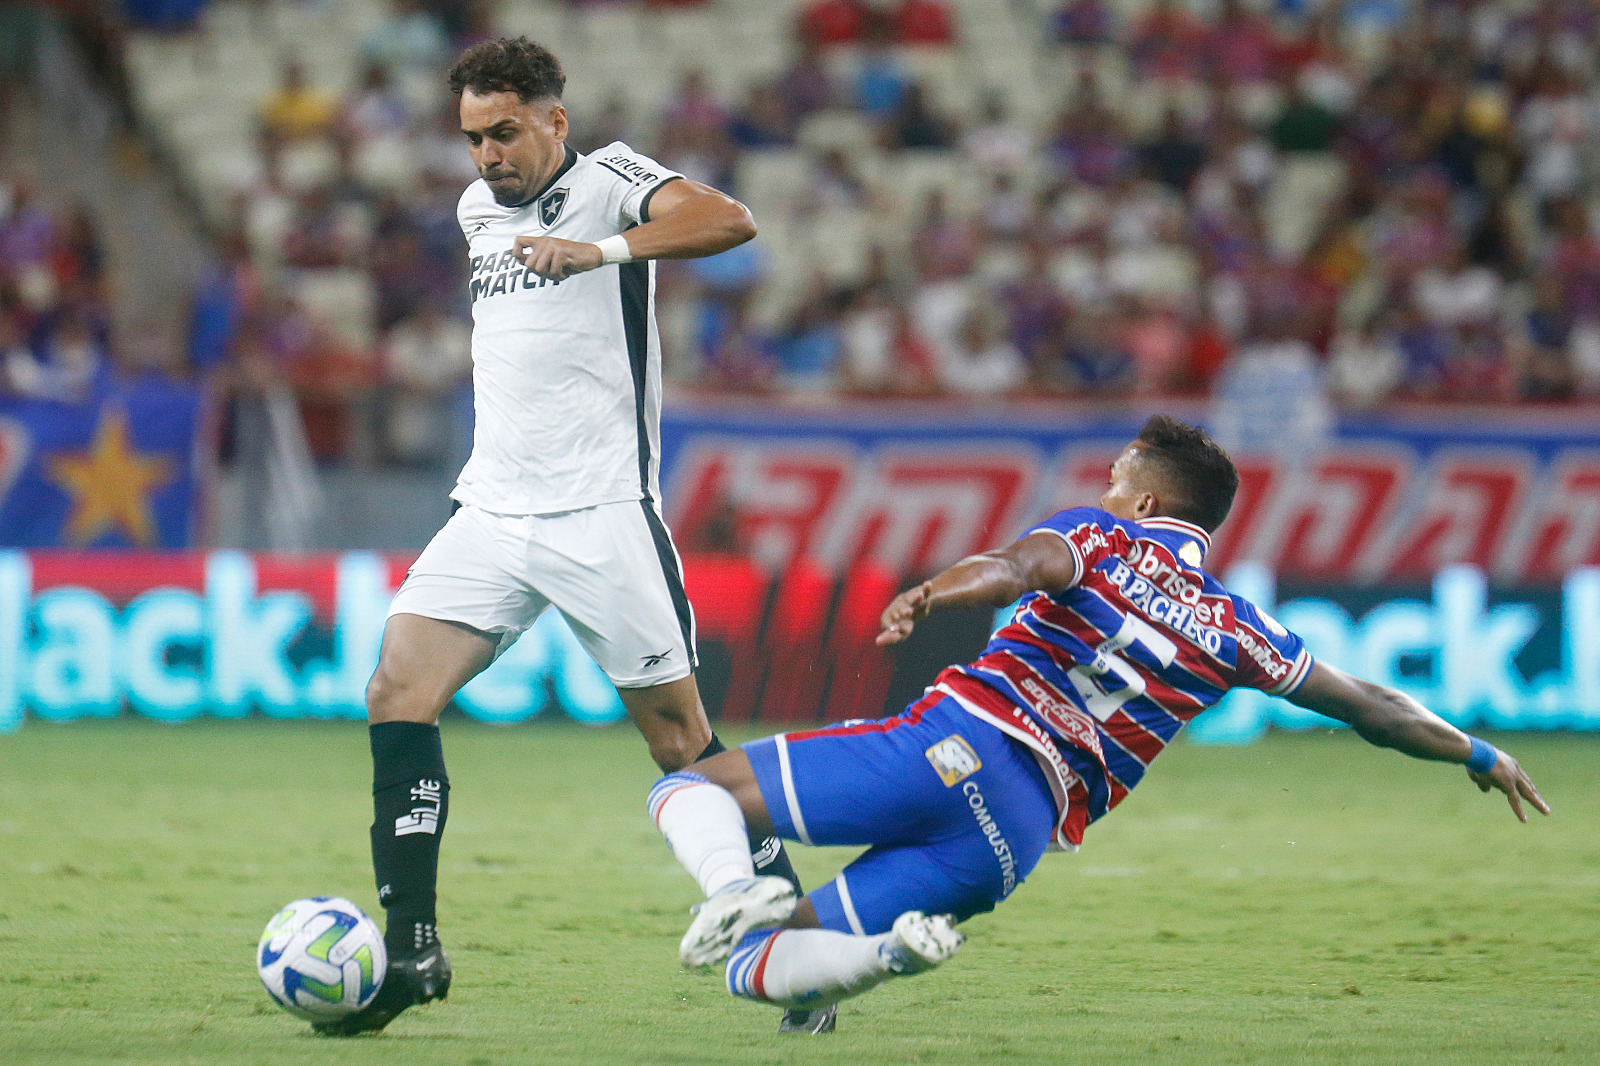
558,502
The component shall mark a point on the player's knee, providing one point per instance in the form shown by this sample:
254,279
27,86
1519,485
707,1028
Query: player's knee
673,749
387,698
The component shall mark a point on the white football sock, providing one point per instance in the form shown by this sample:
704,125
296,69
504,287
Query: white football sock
809,968
704,828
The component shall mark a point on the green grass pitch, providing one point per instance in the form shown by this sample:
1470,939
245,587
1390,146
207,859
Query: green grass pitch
1304,900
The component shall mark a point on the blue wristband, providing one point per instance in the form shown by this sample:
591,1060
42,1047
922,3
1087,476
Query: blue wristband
1484,756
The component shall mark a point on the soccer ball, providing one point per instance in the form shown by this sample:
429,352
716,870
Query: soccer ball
321,958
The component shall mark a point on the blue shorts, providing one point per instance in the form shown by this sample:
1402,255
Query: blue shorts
957,812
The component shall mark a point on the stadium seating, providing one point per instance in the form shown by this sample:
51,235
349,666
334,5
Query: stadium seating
199,95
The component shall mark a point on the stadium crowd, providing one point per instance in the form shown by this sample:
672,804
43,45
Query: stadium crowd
1385,201
54,316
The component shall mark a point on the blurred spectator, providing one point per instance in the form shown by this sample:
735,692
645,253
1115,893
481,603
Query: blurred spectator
806,86
883,352
224,297
1574,257
296,111
322,233
1242,44
810,346
1088,143
1454,292
996,142
590,133
944,246
693,132
835,185
1302,124
1364,368
427,358
914,124
835,21
1082,22
1173,156
981,362
881,79
1155,339
375,110
70,368
1095,361
411,39
924,22
1544,346
1036,310
1167,42
1553,125
763,121
1005,213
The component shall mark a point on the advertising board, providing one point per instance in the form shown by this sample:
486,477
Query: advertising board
1392,497
225,634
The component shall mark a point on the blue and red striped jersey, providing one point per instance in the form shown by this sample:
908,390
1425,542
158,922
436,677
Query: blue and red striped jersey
1111,668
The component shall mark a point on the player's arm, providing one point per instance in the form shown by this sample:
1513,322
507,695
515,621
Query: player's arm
688,220
1039,561
1391,719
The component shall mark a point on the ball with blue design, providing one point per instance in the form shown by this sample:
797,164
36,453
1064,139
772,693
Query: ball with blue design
321,958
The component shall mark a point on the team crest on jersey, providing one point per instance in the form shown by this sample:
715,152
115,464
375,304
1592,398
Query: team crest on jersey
550,207
1190,553
954,760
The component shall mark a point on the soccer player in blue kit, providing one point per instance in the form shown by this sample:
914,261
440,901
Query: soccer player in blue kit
1121,638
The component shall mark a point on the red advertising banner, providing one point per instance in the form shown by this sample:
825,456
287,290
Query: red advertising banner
1389,499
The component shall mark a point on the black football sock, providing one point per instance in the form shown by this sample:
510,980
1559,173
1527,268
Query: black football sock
771,860
410,799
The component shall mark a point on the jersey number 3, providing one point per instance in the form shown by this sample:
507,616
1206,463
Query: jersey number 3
1094,680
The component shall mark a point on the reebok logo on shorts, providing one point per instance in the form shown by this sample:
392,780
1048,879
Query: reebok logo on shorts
954,760
658,658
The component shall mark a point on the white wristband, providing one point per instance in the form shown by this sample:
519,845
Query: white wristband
614,249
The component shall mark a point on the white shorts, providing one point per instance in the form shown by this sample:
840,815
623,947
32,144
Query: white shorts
610,570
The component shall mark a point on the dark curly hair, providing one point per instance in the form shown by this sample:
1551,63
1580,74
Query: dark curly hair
509,65
1200,474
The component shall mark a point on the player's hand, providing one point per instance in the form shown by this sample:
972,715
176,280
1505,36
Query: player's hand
554,258
903,613
1508,777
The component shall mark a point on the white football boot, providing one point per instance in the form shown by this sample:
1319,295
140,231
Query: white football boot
723,920
920,943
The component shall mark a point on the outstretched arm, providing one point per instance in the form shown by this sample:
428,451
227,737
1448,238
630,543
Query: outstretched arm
1391,719
1040,561
687,220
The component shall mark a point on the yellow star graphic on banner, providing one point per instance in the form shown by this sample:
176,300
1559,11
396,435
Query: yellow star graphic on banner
110,485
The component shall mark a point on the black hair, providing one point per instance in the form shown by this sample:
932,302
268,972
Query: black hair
509,65
1199,473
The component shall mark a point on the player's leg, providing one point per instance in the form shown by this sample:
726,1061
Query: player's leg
614,574
423,663
979,813
841,785
457,607
672,720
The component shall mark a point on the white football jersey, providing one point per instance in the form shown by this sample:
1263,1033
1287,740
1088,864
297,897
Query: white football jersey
566,375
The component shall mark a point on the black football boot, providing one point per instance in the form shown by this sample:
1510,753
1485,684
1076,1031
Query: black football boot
409,981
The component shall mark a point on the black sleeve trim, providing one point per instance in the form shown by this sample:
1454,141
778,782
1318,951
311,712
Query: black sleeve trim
644,205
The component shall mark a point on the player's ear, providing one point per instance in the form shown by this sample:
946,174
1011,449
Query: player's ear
558,122
1145,505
